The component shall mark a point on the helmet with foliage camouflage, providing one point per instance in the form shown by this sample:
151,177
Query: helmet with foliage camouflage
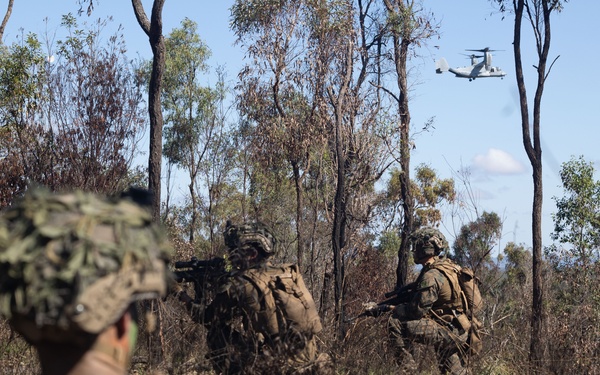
257,234
73,263
428,242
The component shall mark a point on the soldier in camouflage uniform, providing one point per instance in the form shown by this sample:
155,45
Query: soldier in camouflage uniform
247,333
434,314
72,267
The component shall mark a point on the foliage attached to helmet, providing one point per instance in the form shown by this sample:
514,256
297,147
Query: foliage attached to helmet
71,264
250,234
428,242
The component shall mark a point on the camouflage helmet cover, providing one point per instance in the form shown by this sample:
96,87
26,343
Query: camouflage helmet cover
428,241
257,233
72,263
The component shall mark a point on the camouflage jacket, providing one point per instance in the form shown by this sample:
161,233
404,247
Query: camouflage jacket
434,297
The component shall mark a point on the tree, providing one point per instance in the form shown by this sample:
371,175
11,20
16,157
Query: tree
6,18
537,12
153,28
428,191
275,97
577,219
476,240
307,98
189,106
574,262
20,80
408,25
73,123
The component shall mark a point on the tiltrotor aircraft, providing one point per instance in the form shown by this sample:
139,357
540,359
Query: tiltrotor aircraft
476,70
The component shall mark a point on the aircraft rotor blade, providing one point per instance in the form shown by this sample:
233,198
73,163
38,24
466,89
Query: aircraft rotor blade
486,49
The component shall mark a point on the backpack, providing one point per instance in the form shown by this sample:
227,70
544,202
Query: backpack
470,295
289,304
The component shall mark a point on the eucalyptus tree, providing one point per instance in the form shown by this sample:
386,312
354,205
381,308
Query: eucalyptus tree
190,109
73,122
307,94
408,25
429,193
476,240
153,28
577,219
275,95
537,13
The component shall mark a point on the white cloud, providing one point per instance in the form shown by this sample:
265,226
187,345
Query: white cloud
496,161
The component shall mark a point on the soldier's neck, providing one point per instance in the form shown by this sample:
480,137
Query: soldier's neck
108,355
61,360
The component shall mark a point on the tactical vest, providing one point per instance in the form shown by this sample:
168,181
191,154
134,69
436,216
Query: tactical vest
286,303
450,271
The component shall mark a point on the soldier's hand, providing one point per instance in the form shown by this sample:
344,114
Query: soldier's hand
375,310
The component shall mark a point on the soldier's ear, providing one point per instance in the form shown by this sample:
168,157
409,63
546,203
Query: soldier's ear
123,324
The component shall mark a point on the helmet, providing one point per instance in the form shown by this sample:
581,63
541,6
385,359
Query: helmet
428,242
73,263
256,234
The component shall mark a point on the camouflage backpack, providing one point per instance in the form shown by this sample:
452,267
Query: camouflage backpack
286,300
285,303
464,282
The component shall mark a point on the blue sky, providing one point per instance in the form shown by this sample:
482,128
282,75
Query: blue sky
477,124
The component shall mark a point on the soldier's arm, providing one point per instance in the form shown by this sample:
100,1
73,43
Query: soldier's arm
424,298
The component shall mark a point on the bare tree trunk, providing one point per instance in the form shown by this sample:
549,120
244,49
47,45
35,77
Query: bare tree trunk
338,236
402,40
534,152
5,20
299,209
153,28
407,203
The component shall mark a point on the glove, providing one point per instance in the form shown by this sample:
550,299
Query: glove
180,293
376,310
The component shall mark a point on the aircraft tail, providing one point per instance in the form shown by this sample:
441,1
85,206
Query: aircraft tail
441,66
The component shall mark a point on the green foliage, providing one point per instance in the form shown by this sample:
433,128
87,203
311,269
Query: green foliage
21,75
389,243
70,121
189,106
475,242
429,193
577,220
518,263
250,16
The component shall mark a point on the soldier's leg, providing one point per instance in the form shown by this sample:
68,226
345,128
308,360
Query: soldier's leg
451,364
402,345
446,341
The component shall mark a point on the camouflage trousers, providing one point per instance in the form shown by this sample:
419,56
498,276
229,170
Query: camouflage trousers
448,342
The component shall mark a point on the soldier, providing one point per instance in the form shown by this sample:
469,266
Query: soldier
434,315
263,318
72,267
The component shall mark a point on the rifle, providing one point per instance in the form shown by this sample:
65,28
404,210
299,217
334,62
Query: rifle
397,296
203,273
